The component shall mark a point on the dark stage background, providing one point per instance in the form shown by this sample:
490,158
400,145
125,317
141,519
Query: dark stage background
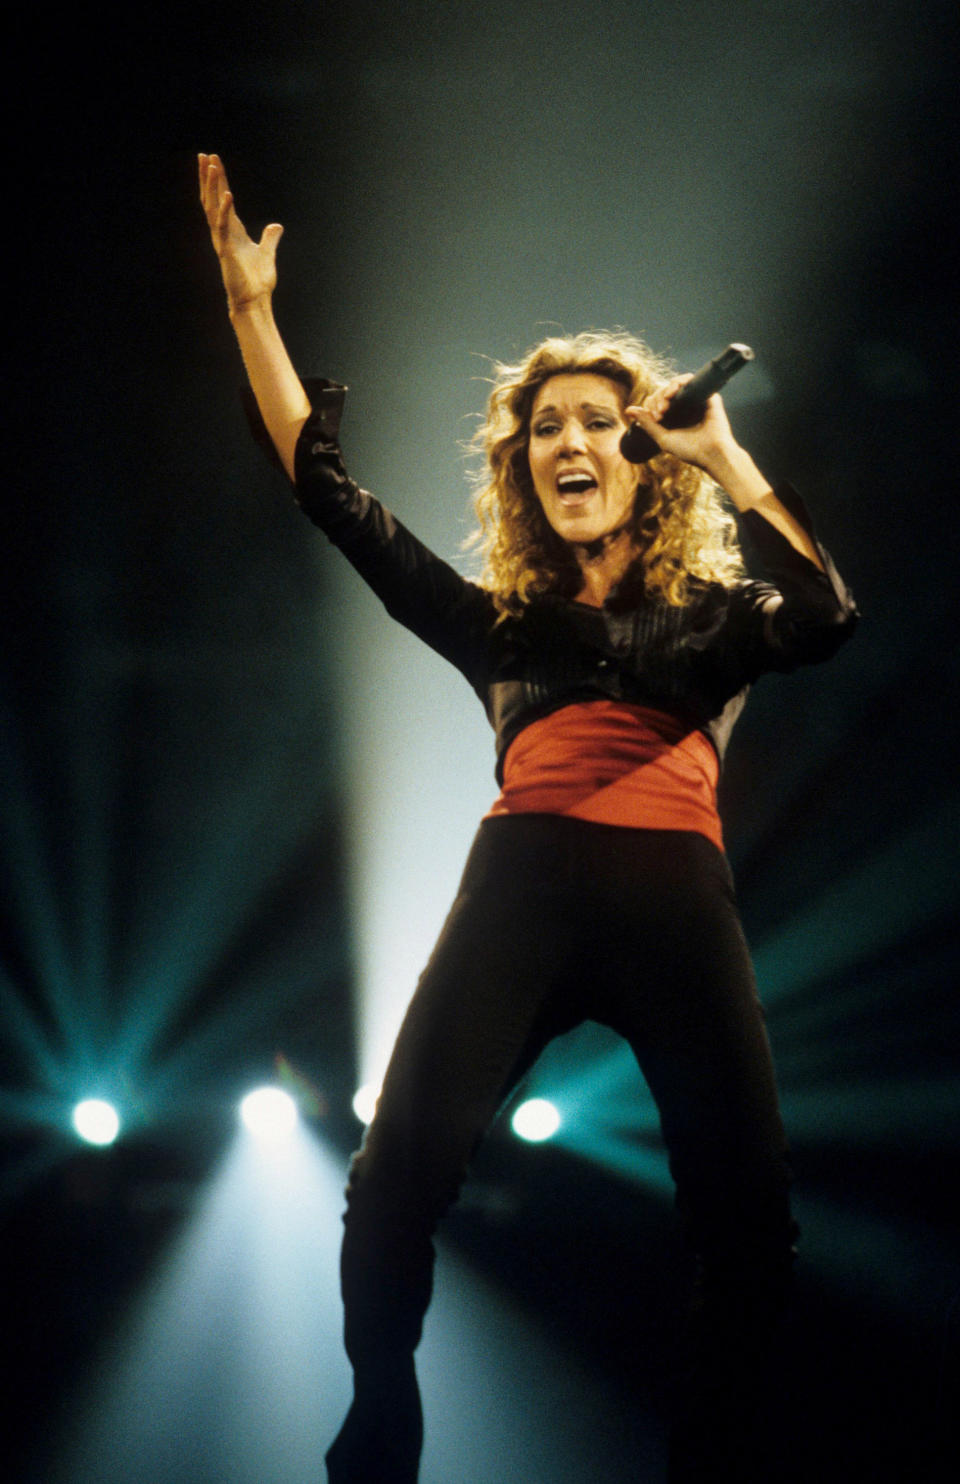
234,802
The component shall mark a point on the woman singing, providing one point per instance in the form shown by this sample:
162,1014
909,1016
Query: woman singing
611,641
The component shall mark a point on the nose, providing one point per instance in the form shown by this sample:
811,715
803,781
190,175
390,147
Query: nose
572,438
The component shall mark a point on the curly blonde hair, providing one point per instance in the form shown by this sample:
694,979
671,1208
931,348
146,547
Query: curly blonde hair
681,528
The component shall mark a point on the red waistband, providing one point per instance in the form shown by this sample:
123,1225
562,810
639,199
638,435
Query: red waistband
614,763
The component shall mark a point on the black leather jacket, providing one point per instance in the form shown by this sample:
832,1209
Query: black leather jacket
696,662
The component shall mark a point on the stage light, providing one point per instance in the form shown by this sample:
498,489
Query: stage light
96,1121
535,1120
269,1113
365,1102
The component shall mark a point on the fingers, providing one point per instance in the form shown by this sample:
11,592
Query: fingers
206,169
209,188
213,184
660,400
220,175
655,404
217,200
642,415
643,419
223,217
269,238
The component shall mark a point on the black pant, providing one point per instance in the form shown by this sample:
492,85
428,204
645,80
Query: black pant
558,921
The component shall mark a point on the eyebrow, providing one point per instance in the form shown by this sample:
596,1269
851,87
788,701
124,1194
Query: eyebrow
582,407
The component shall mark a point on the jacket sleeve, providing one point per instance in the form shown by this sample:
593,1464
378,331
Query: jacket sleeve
416,587
798,615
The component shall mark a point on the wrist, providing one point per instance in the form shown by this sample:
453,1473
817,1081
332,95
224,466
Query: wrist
259,307
732,468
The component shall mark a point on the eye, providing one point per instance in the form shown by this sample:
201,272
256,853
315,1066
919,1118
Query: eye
546,430
601,422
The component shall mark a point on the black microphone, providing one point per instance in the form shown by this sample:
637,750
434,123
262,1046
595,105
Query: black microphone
689,405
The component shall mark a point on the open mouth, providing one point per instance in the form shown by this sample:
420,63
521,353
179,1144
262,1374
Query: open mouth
574,487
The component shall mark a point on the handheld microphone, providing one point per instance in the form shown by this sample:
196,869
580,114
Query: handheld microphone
688,406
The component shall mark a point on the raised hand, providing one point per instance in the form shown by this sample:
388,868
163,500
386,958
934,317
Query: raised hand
701,444
250,276
249,268
711,445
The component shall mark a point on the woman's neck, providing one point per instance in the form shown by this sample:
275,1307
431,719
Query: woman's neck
602,563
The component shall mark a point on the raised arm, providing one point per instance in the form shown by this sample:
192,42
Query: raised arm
250,277
712,447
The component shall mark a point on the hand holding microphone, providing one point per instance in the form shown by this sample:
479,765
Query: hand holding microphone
688,406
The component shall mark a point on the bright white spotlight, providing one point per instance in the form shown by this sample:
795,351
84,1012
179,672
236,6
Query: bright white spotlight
535,1120
96,1121
269,1114
365,1102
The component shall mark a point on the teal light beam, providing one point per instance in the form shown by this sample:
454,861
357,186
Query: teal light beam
880,1111
21,1028
33,902
868,911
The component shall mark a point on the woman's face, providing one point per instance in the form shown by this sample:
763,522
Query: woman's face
584,484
